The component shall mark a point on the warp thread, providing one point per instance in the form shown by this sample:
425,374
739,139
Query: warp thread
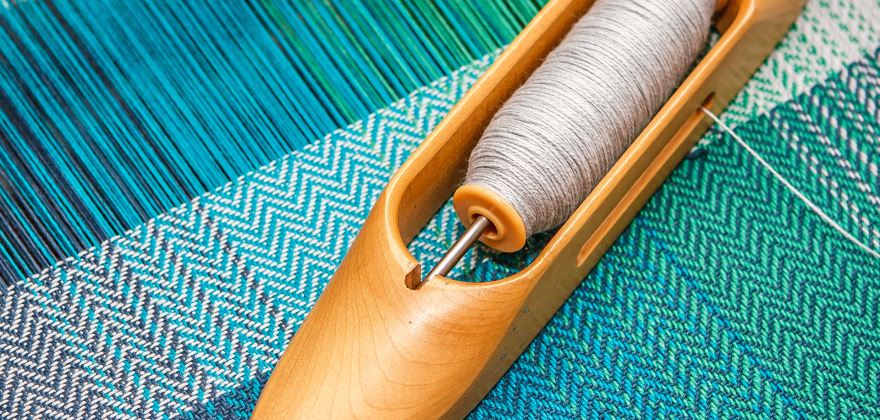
112,113
557,136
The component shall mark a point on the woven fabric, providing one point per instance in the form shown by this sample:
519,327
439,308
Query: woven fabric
726,297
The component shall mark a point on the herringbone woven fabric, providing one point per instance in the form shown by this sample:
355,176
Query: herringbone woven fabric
726,297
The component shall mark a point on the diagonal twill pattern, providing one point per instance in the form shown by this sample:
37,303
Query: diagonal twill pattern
188,306
725,299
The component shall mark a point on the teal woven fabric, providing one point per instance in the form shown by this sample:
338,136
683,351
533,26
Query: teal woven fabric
725,298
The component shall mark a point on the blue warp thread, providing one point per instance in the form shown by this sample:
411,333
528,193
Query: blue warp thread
112,113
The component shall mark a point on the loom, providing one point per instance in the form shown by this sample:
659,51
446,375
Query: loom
380,343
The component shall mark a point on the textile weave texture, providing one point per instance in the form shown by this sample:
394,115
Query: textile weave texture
725,298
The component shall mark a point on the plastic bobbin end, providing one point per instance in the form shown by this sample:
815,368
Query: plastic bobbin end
507,233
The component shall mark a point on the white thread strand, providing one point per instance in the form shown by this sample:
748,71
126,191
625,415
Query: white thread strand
791,188
562,131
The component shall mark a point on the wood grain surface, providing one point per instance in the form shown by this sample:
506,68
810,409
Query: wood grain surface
376,347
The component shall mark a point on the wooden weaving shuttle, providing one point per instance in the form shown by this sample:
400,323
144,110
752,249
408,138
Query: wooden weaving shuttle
377,345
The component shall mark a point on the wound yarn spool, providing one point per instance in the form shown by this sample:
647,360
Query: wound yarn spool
562,131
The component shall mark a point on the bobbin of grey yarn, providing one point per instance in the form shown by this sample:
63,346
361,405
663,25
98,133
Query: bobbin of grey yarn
562,131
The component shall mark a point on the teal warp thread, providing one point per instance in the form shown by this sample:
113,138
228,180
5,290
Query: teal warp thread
114,112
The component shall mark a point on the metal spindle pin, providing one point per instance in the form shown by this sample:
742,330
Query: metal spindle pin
462,245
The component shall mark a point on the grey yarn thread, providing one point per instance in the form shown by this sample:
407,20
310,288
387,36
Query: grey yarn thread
562,131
